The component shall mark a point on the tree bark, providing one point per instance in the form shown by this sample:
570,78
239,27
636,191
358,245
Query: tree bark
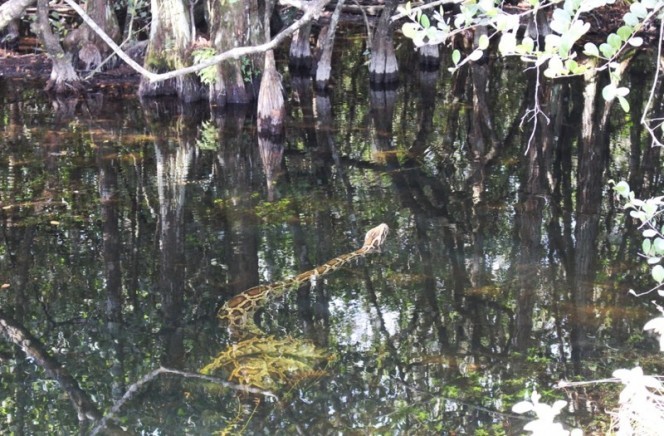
102,12
12,10
170,39
245,20
85,44
63,78
429,57
271,110
299,57
383,68
324,69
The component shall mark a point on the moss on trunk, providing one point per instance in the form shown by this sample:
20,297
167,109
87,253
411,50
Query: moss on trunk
235,24
168,49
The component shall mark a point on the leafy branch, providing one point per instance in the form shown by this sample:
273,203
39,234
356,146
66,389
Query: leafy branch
558,53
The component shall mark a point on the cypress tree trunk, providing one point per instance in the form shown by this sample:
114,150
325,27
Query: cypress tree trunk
299,57
383,68
84,44
234,24
429,57
324,69
63,76
271,111
170,39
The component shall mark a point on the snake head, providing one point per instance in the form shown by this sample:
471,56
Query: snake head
375,237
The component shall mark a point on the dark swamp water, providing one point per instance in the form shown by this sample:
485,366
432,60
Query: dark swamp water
125,227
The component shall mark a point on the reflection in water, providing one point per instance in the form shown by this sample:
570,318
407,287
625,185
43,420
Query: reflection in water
507,265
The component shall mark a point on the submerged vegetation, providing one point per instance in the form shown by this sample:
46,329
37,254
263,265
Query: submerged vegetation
127,224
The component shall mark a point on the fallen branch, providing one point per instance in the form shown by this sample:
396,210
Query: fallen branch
311,12
134,389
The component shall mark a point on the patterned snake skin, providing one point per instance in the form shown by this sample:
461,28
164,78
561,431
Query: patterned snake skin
238,309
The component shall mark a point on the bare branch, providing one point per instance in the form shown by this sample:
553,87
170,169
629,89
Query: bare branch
644,119
147,378
311,12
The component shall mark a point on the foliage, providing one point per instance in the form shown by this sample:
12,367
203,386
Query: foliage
208,75
544,424
559,53
209,139
249,70
641,404
641,408
648,213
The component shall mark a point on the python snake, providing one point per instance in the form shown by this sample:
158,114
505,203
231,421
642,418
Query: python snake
238,309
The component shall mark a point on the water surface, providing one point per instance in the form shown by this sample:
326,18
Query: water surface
126,226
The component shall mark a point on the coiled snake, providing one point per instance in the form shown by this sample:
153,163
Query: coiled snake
237,311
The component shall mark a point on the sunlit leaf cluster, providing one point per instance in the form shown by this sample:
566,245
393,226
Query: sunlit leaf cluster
648,213
559,53
208,75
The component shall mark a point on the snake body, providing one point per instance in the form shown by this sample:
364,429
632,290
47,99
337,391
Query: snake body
238,309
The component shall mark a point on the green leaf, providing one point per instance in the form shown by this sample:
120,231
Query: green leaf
410,30
649,233
560,21
635,42
523,407
614,41
646,245
507,43
424,21
528,44
622,188
578,29
650,210
639,10
590,49
483,42
624,104
625,32
631,19
607,50
658,273
551,43
555,68
609,92
622,91
456,56
658,244
571,65
564,48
